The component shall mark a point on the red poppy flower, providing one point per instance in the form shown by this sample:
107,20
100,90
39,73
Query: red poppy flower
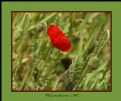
58,39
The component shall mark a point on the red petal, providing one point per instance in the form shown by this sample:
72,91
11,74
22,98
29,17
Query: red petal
58,39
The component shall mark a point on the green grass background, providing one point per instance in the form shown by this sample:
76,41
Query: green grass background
7,7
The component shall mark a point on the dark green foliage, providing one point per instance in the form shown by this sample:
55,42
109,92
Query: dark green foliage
37,65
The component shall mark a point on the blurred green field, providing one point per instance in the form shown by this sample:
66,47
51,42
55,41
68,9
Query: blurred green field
37,65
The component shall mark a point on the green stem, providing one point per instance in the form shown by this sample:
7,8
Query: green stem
49,53
82,75
44,20
30,71
22,86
